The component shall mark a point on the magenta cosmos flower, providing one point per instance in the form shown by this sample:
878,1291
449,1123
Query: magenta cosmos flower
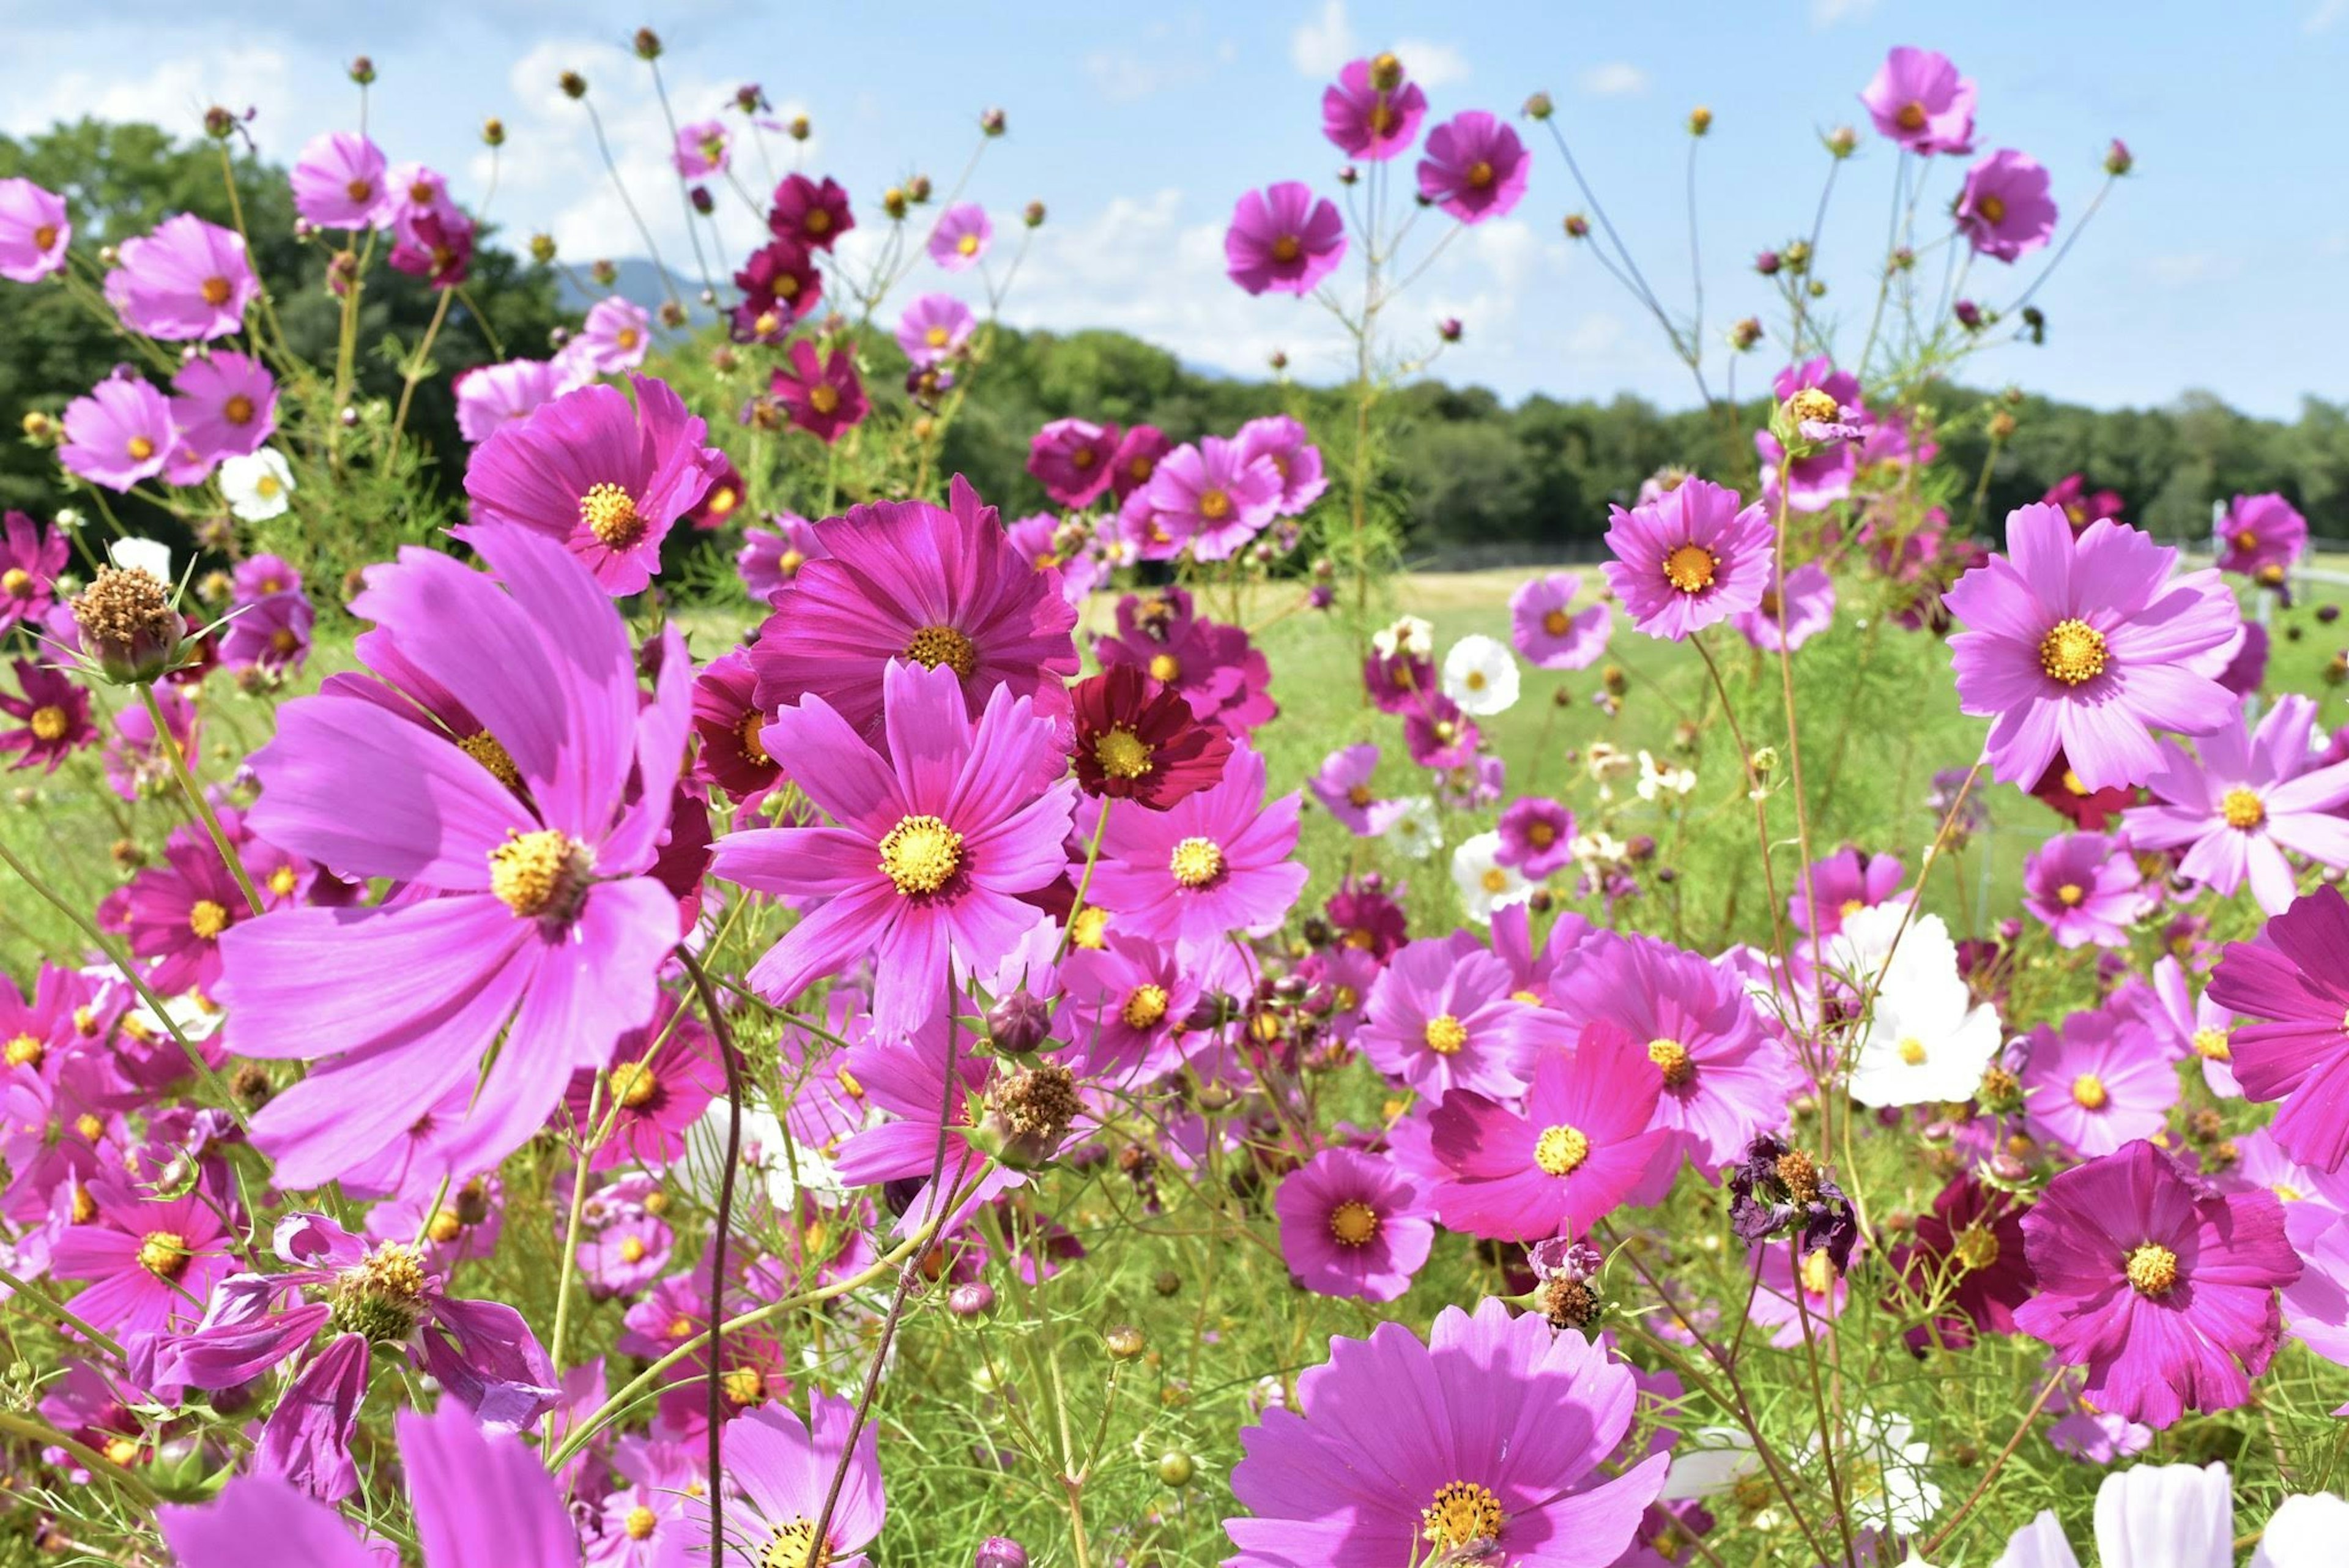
1441,1017
1581,1145
605,479
2296,976
933,327
2260,536
52,714
1352,1224
1219,672
615,337
785,1470
1343,787
1288,447
189,280
34,230
942,586
937,839
2161,1286
31,556
2082,644
2243,802
225,406
812,213
771,559
1137,459
1510,1420
1793,618
1537,836
2098,1082
1550,632
339,182
148,1262
826,396
961,237
1919,100
1475,167
1284,239
1689,558
1217,494
701,150
1819,478
2084,887
1840,887
118,434
490,397
2005,209
1071,459
1214,862
547,930
1371,112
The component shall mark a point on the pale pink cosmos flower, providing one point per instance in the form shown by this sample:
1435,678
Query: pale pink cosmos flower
189,280
34,230
2246,799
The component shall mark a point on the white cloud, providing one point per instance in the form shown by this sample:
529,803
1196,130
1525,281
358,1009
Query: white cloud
1831,13
1616,79
173,95
2184,269
1323,45
2324,17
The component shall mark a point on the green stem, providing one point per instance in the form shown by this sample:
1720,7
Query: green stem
42,1432
168,744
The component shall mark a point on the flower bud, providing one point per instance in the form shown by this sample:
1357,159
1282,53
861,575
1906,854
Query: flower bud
992,123
1028,1115
892,202
703,203
572,84
798,127
127,625
1578,227
1386,71
749,97
1842,140
918,189
1767,263
972,1300
362,70
1176,1468
220,124
493,132
1538,107
2002,425
999,1551
648,44
1019,1022
1700,121
602,270
2119,158
1745,333
1449,329
1124,1341
37,426
1277,359
672,314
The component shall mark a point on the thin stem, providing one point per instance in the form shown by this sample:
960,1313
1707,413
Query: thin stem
41,1431
1990,1471
416,370
168,744
571,1231
715,1383
26,1290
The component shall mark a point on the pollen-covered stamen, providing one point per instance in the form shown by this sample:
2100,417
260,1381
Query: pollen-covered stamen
360,189
1039,1102
935,645
49,723
824,397
1122,753
632,1250
45,236
1287,249
1495,880
1671,1059
1215,506
634,1084
1166,667
1556,622
1691,567
1196,862
541,875
743,1387
751,732
207,919
1993,208
610,514
2152,1269
2071,894
1911,117
640,1522
967,245
140,448
216,291
16,583
2088,1092
2073,652
1144,1007
1445,1035
164,1254
795,1546
1480,174
2242,808
484,749
377,1297
1975,1248
1912,1051
1464,1515
1354,1223
1561,1150
24,1051
1818,1273
1359,795
2213,1046
920,854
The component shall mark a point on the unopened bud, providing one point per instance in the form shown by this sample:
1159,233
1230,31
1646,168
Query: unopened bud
542,249
648,44
1019,1022
1124,1341
1538,107
1842,140
572,84
992,123
2119,158
1700,121
1032,215
362,70
494,131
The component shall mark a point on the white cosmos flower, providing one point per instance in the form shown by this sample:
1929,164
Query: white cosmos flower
150,555
1658,779
1921,1043
2179,1516
1708,1463
1884,1466
1415,829
1859,949
1480,674
1408,635
1486,885
258,487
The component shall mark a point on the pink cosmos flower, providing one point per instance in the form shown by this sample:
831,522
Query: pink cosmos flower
1789,1293
1288,447
1283,238
1818,479
906,1081
546,931
189,280
813,215
2296,977
135,764
118,434
1219,672
271,634
785,1470
1475,167
1217,494
662,1076
616,337
1352,1225
1442,1018
1126,1007
1792,618
701,150
226,405
1919,100
935,328
177,910
1071,459
771,559
34,230
1214,862
52,714
2005,211
435,243
1689,558
31,556
490,397
1511,1420
2191,1027
1537,836
1550,632
1138,451
1582,1143
2086,644
937,839
147,1262
961,236
825,397
2099,1081
605,479
2162,1287
339,182
907,580
2248,799
2084,887
2261,537
1370,113
1343,787
1840,887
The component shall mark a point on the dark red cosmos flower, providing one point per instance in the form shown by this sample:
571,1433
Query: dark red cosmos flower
720,501
1366,918
1973,1240
2090,810
779,284
727,718
813,215
1138,740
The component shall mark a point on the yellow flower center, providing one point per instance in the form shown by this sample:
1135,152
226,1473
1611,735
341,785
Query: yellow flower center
2152,1269
632,1250
1911,117
1166,667
610,514
1287,249
795,1546
540,873
937,337
1445,1035
2072,651
1818,1273
823,396
140,448
1196,862
935,645
45,236
1557,623
1122,754
1357,795
2070,895
1145,1007
967,245
1691,567
1352,1223
1462,1515
238,410
1671,1059
744,1386
1480,174
89,1127
267,486
1993,208
25,1051
216,292
626,337
1912,1051
1089,929
2088,1092
1215,506
207,919
1560,1151
16,583
1495,880
484,749
751,731
2212,1045
164,1254
640,1522
1541,834
49,723
634,1084
1975,1248
2242,808
920,854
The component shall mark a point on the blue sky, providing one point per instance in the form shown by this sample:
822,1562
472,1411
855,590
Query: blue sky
2220,265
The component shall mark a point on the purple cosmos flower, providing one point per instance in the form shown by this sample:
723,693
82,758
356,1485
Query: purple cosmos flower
2099,1081
2084,644
176,911
937,840
271,634
825,397
1138,453
780,285
135,764
1219,671
1818,478
2261,537
31,556
1475,167
1370,113
1580,1146
2157,1284
1793,618
1283,238
961,237
1288,447
121,433
1972,1238
52,714
2005,209
616,337
148,1262
1537,836
662,1076
935,328
2084,887
1126,1010
733,755
226,406
1071,459
1214,862
2249,797
189,280
1217,495
339,182
1442,1018
2191,1027
1343,787
605,479
2296,976
907,1080
701,150
813,215
1499,1464
1777,1192
907,580
1840,887
434,242
1687,558
480,1498
785,1471
491,397
547,930
34,230
1352,1225
770,560
1550,632
1919,100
